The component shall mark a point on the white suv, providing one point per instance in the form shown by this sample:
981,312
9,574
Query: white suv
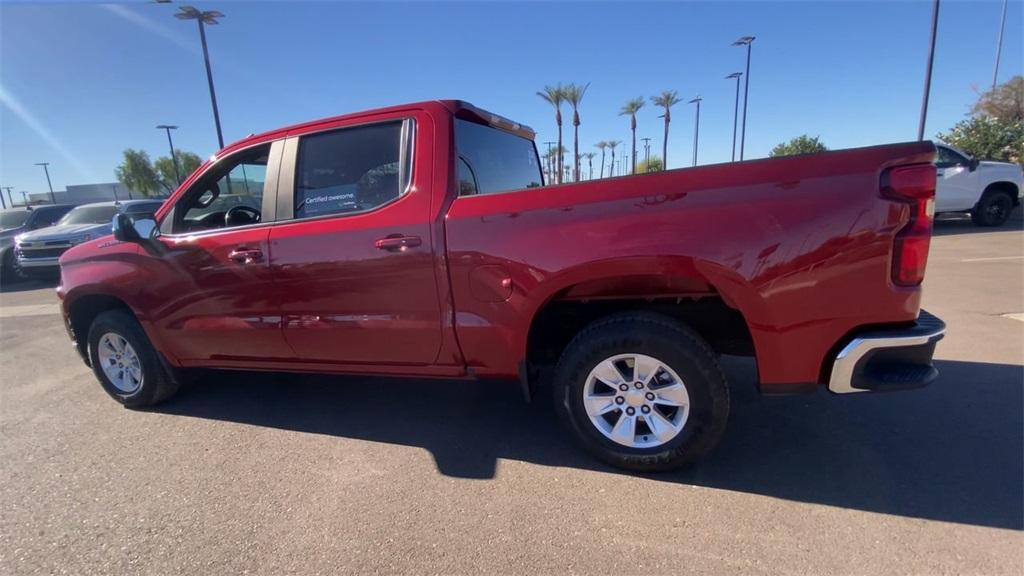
988,190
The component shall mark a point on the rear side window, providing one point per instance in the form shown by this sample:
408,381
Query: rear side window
353,169
495,160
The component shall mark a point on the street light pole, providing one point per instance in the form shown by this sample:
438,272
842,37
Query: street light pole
696,128
208,17
647,154
174,158
9,197
747,41
999,45
3,202
46,169
735,110
928,72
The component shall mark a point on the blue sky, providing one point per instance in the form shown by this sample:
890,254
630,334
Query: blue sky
81,82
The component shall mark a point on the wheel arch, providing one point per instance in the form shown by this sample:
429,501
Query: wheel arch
83,310
1010,187
709,298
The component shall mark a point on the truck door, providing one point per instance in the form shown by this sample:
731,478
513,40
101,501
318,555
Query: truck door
355,266
956,187
210,274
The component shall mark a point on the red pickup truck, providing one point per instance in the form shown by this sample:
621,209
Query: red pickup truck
420,240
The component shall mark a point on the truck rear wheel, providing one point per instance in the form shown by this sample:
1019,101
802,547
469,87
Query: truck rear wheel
643,392
993,209
125,363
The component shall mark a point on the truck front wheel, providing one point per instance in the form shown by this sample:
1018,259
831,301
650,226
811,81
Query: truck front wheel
643,392
993,209
125,363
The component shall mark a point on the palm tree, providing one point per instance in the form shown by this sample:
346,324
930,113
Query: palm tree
630,108
555,95
613,144
590,163
667,100
573,94
602,145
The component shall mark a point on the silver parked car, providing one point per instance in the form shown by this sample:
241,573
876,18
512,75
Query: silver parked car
38,251
16,221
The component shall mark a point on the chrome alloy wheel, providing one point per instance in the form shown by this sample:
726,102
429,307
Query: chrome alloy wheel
120,363
636,400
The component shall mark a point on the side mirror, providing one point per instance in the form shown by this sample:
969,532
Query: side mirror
973,164
127,229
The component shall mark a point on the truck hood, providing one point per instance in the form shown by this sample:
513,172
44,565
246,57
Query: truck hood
999,165
66,232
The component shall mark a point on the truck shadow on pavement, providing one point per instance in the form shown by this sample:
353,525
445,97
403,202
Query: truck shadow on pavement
952,452
953,224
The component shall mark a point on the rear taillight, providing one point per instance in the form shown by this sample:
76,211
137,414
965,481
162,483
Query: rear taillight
914,185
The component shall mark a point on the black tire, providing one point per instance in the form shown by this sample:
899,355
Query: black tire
157,384
9,271
993,209
674,345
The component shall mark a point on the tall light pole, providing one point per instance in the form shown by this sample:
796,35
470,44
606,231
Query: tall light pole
46,169
208,17
174,158
928,72
735,110
647,153
696,128
747,41
999,45
2,201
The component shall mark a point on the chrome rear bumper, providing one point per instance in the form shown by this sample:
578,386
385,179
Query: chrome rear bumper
888,359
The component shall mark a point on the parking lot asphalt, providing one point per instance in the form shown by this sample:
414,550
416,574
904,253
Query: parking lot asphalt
273,474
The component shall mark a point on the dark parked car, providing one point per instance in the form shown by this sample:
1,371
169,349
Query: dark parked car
15,221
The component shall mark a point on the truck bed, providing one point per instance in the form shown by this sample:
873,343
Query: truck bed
800,245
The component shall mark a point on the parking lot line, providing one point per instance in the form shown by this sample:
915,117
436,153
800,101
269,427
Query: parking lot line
30,310
993,259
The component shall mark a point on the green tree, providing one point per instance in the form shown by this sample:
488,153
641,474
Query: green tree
653,164
555,95
630,108
988,138
187,164
802,144
573,94
602,146
666,100
136,172
1004,102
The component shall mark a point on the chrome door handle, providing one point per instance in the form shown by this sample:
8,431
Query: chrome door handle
246,256
398,243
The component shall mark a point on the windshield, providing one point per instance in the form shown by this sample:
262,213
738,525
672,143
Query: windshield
89,215
13,218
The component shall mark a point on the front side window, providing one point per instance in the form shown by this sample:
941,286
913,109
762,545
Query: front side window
229,195
499,161
948,157
352,170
